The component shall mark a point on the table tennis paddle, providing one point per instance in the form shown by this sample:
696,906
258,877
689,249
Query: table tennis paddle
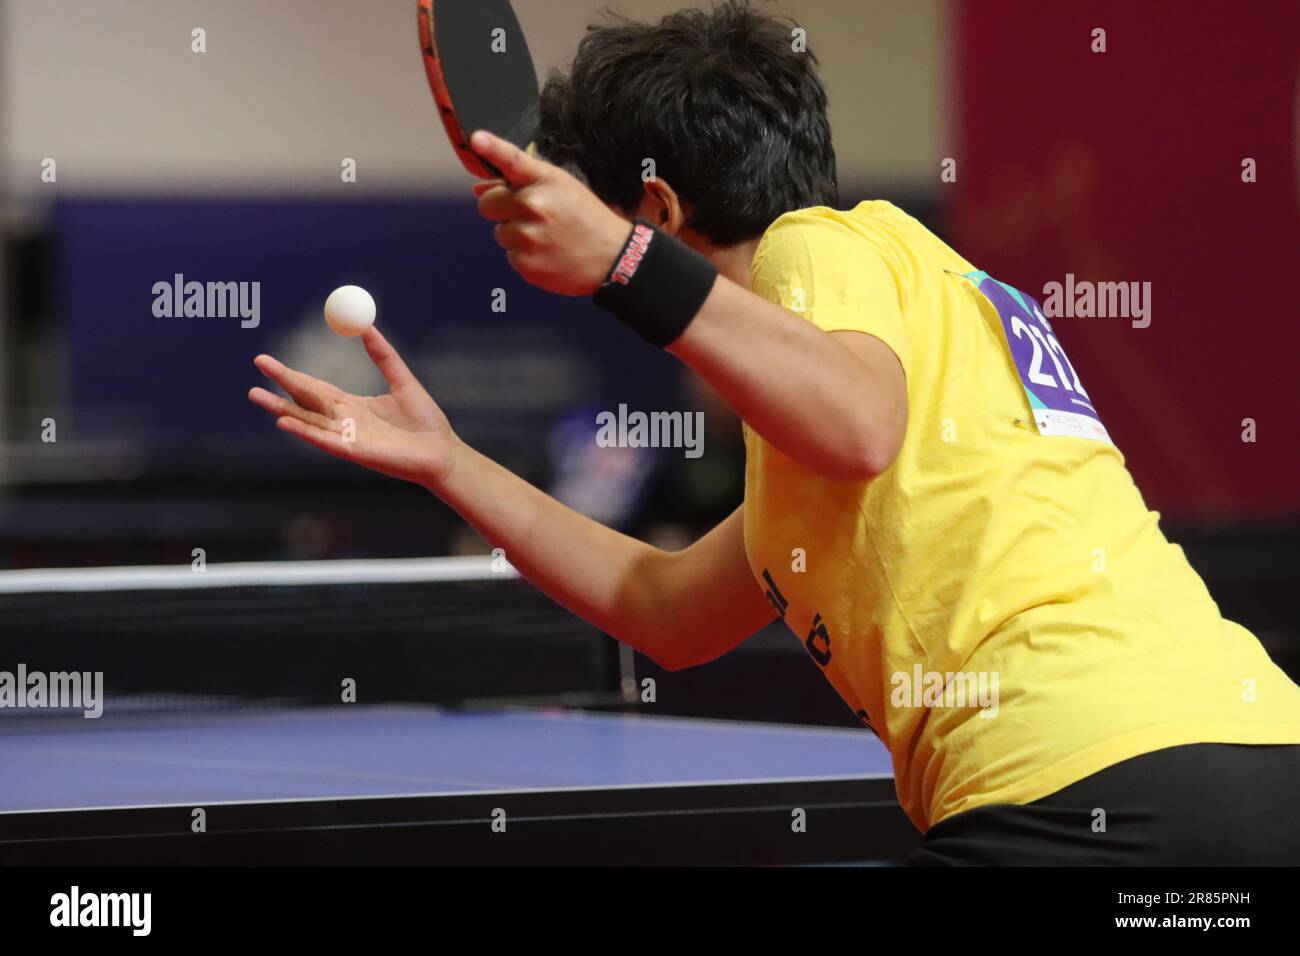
481,74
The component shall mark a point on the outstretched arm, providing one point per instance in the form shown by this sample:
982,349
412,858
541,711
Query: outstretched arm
678,608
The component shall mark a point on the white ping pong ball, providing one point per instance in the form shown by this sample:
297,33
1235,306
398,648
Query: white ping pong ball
349,311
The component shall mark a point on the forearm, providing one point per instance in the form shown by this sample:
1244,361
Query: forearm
604,577
791,382
797,386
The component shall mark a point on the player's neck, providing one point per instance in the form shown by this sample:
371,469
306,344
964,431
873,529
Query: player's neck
734,262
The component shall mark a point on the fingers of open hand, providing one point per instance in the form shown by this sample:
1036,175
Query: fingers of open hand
310,393
283,408
326,440
386,359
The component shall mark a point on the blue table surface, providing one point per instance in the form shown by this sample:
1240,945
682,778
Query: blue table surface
188,759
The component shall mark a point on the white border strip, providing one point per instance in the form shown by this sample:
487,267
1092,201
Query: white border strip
303,573
512,791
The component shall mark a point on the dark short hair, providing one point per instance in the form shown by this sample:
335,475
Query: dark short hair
733,117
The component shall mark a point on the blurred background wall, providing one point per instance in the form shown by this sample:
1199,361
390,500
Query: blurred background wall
287,87
225,166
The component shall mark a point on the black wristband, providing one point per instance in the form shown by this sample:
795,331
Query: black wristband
657,285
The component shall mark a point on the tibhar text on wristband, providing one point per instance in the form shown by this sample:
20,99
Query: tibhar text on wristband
657,285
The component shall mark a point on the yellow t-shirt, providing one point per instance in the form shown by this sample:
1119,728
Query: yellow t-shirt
1026,563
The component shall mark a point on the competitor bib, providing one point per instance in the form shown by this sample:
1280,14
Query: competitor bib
1059,403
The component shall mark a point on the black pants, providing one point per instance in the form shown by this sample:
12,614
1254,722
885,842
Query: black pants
1200,804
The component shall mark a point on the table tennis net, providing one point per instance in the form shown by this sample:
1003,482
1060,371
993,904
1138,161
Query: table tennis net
451,631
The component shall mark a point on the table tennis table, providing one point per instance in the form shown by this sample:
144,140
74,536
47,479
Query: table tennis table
398,784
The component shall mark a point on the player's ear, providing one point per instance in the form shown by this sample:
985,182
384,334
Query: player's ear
661,207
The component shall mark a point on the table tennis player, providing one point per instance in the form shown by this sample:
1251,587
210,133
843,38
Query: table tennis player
930,492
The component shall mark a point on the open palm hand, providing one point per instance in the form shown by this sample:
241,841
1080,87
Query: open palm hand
403,434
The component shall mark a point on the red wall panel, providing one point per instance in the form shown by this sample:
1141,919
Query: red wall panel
1126,166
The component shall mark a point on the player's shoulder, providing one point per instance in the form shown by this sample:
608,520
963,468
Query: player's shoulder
825,238
825,228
